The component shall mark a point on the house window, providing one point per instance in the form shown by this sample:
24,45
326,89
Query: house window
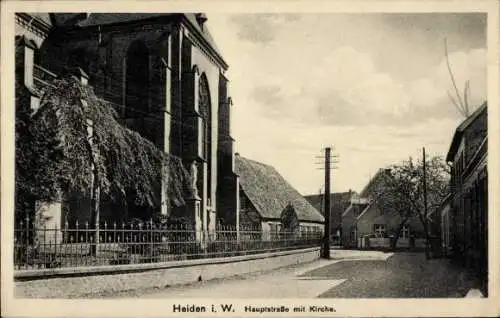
243,204
405,231
316,231
273,228
379,230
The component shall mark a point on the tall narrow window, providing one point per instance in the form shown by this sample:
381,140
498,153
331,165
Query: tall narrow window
206,114
137,80
204,107
36,57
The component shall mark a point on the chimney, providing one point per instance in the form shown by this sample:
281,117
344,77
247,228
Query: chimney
236,153
201,18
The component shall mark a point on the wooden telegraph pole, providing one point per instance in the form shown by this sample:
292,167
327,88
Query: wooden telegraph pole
326,199
326,205
426,229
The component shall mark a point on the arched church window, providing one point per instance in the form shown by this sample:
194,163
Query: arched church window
137,83
205,111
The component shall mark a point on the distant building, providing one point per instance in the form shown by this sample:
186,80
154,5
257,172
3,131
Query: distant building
338,204
374,223
469,192
268,203
165,76
365,225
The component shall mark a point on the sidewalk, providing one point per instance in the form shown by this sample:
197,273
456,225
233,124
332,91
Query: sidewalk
341,254
360,274
404,275
280,283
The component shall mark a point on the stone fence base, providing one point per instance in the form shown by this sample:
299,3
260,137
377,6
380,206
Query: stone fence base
149,276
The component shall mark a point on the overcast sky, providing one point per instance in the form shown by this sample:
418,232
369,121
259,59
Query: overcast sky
372,85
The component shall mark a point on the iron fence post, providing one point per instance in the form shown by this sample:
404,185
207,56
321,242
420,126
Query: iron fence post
151,239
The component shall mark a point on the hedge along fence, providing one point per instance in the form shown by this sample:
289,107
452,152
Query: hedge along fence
134,243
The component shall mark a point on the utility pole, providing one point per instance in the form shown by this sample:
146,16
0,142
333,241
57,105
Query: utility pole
341,232
425,207
326,205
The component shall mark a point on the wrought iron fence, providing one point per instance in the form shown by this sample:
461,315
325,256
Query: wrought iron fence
116,244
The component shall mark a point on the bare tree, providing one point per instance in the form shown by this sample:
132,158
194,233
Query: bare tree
461,103
398,190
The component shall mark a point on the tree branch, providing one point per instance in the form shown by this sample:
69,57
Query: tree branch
451,75
466,96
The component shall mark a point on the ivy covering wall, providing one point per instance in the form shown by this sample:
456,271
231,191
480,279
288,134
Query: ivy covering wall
74,143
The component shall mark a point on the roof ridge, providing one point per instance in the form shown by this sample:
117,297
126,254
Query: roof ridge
255,161
457,135
467,121
270,192
364,211
333,193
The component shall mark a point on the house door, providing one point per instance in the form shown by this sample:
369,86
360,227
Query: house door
353,240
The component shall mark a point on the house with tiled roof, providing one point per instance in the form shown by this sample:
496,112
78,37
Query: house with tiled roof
339,202
270,204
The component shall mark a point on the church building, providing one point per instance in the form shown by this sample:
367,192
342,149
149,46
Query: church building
166,77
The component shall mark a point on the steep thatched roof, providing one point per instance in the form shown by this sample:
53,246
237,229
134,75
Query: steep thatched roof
270,193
